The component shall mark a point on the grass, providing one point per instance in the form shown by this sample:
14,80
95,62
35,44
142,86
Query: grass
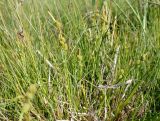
79,60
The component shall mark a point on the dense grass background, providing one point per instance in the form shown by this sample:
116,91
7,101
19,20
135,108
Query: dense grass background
57,56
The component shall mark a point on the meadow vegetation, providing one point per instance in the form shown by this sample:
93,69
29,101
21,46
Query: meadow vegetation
87,60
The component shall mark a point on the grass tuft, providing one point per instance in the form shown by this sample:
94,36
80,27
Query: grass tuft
94,60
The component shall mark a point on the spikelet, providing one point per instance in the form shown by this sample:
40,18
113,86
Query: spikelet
59,27
57,23
104,17
26,107
62,42
79,57
104,11
31,91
